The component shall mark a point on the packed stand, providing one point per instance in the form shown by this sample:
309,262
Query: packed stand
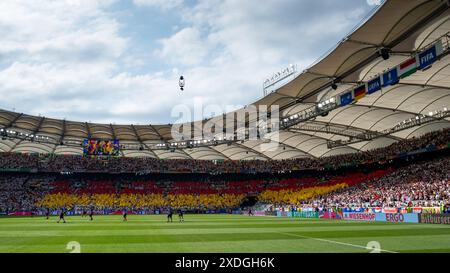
70,163
425,184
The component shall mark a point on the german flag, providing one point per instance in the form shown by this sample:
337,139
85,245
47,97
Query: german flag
360,92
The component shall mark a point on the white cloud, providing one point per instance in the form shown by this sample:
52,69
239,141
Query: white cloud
186,47
69,59
86,91
374,2
162,4
52,29
231,46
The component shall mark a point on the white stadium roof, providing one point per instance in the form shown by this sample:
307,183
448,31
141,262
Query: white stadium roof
405,27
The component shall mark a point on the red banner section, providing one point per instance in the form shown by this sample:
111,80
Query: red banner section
21,213
331,215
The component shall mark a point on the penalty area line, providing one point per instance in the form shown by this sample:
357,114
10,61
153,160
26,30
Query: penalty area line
334,242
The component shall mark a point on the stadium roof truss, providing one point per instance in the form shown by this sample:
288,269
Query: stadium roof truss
403,27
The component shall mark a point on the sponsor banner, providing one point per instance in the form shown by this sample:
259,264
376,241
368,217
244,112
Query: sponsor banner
428,218
358,216
121,212
397,217
304,214
331,215
298,214
20,213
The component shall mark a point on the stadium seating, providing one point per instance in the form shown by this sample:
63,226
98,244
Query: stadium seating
49,163
365,183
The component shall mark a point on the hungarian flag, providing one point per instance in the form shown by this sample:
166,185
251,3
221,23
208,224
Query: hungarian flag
360,92
408,67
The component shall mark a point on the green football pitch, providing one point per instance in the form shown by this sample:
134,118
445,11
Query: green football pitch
218,234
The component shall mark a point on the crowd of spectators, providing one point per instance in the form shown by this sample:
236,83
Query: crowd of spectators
70,163
415,184
27,192
425,184
21,192
300,194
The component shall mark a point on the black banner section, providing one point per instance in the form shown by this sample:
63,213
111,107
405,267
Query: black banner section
427,218
173,263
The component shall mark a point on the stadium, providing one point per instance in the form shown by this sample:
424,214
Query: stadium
350,155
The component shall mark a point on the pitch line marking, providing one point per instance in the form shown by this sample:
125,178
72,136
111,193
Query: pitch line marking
334,242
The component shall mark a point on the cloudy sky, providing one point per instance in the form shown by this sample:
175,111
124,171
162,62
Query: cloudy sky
120,60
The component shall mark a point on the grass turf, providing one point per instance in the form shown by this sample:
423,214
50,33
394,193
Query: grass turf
217,233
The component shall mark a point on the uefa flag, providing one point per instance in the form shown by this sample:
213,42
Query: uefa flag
390,77
346,98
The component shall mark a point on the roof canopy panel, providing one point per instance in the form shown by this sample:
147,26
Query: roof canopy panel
403,26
